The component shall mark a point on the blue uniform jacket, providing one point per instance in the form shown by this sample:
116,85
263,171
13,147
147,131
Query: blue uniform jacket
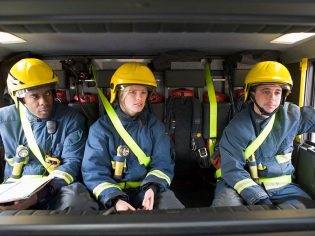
290,121
67,142
101,147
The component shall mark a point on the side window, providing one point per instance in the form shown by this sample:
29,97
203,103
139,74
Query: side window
303,93
309,96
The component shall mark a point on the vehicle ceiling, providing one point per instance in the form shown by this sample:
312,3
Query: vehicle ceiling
149,27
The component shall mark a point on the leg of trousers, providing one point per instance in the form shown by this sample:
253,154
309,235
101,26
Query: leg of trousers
291,194
74,197
167,200
224,195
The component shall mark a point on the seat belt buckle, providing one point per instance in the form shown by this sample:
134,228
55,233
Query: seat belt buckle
193,144
203,157
203,153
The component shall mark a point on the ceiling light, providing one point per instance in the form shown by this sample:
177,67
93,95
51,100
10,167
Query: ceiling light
292,38
6,38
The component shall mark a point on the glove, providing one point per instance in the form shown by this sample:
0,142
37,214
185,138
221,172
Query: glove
265,201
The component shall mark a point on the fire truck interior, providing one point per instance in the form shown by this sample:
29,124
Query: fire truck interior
175,39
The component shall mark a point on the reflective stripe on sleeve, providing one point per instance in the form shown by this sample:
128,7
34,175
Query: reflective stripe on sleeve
103,186
161,175
245,183
63,175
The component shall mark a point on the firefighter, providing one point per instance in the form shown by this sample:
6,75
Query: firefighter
58,132
266,176
110,169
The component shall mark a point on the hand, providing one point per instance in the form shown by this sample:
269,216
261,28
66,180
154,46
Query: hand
148,200
123,206
21,204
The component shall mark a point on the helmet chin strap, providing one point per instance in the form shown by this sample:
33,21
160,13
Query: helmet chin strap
262,110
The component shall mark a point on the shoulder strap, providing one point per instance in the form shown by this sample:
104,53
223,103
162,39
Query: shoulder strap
198,143
142,157
169,119
260,139
212,108
30,136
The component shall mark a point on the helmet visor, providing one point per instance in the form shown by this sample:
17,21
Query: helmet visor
21,93
283,86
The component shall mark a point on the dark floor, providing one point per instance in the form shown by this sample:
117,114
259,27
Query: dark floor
195,189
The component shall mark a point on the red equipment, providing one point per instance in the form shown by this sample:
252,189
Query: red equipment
182,93
156,98
221,97
86,98
61,96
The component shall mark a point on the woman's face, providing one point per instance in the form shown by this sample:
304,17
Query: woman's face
132,99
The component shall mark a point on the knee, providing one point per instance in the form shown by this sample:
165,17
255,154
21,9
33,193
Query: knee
76,197
226,196
168,200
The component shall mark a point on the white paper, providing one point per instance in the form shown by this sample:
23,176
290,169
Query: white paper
21,189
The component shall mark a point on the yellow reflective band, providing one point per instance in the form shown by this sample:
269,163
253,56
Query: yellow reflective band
129,184
245,183
103,186
10,161
24,177
218,173
32,176
9,180
260,139
161,175
276,182
283,158
212,109
63,175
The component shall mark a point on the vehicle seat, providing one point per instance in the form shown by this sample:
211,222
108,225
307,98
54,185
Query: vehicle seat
192,184
90,110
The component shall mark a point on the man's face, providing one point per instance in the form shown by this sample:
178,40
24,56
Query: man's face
268,97
39,102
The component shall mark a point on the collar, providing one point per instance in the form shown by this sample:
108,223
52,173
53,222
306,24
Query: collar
126,118
257,118
258,121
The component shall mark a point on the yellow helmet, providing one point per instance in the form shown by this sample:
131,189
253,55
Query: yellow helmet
131,73
268,72
29,73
